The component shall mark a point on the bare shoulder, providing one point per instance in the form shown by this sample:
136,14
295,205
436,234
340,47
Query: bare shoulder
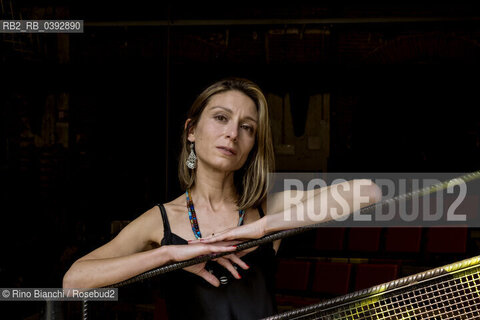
137,236
150,223
143,229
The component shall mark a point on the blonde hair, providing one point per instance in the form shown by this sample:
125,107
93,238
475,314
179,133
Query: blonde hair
252,180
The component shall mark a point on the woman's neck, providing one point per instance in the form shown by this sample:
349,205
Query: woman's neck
213,190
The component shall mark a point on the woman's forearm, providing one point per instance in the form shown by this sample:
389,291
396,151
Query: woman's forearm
95,273
337,200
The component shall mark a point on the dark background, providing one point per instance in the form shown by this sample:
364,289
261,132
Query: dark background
90,123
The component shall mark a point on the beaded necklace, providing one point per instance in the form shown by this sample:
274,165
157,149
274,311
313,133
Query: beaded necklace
193,217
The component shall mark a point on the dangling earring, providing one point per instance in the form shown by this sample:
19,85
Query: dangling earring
192,158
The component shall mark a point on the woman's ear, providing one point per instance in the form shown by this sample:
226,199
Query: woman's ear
190,130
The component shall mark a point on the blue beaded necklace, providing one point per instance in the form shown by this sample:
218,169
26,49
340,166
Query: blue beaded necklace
193,217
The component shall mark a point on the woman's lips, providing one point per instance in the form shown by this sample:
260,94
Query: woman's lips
225,151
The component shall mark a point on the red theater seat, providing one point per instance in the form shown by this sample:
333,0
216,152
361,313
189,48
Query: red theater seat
403,239
292,274
293,302
364,239
369,275
332,278
160,309
329,239
446,240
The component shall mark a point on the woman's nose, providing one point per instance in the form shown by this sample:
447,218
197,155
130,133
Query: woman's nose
232,132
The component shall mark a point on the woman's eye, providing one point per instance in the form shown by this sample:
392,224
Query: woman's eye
220,117
249,128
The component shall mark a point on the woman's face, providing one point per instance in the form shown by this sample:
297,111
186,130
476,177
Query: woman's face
226,130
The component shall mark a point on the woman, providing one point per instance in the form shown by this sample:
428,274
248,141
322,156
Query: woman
226,157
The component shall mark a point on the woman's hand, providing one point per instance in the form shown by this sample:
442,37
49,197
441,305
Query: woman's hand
252,230
182,252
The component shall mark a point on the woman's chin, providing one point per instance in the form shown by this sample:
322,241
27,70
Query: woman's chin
226,166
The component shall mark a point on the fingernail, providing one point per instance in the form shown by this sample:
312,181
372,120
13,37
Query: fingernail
247,266
239,276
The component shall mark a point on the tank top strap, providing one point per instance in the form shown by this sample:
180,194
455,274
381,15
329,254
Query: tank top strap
167,233
260,211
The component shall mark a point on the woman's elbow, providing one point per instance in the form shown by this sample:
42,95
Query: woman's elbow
67,281
71,279
370,190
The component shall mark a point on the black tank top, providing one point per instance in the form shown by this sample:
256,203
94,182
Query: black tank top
189,296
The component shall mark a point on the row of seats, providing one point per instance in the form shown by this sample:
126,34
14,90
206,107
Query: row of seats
386,254
300,276
391,240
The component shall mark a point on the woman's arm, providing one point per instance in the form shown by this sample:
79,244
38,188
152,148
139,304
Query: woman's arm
310,207
99,272
124,256
319,205
121,258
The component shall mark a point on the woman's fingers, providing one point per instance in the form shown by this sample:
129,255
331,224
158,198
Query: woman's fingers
225,235
210,278
226,243
185,252
199,270
214,248
225,261
234,258
229,266
252,230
